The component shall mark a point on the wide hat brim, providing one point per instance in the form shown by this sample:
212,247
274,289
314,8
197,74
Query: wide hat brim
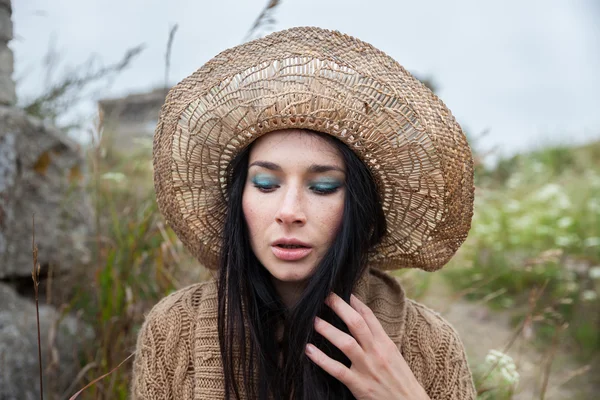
311,78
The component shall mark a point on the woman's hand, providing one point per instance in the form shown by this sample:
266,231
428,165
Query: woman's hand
378,370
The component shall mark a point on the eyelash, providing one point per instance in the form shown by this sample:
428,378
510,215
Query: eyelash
266,188
321,192
324,191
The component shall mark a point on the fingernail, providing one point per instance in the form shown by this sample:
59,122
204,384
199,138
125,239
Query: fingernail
310,348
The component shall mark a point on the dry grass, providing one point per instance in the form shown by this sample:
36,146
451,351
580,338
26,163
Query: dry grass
35,275
138,260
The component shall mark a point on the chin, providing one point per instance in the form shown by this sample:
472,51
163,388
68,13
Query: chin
290,272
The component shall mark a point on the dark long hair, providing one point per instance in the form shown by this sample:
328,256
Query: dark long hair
250,308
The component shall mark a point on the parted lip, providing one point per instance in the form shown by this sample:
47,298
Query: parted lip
290,242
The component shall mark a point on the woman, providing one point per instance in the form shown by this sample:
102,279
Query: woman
301,166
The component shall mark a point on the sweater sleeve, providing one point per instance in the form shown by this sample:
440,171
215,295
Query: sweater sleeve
436,355
163,352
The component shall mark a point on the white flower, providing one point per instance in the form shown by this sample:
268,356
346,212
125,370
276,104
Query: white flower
571,286
537,167
569,275
593,205
565,222
563,202
493,355
482,229
505,364
524,222
564,241
510,375
548,192
114,176
592,178
477,277
594,272
592,242
589,295
513,206
544,230
514,181
496,356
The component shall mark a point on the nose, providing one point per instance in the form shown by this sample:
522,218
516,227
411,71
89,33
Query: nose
291,210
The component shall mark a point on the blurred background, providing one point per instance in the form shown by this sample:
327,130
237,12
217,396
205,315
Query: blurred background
81,85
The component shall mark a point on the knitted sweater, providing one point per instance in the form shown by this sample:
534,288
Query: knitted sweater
178,356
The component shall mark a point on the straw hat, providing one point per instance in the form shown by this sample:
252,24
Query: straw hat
325,81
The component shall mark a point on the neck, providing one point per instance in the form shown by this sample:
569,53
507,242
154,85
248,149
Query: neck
289,292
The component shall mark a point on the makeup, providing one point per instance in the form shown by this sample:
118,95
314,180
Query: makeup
325,186
265,181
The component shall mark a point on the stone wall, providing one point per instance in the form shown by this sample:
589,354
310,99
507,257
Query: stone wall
42,173
7,85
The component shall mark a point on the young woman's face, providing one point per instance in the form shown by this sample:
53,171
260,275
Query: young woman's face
293,202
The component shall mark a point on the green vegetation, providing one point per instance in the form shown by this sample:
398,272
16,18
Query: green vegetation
137,261
537,225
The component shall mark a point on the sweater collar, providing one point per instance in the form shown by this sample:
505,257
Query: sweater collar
385,297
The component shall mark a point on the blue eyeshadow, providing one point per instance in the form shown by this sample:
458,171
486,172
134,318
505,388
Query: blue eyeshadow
264,180
326,184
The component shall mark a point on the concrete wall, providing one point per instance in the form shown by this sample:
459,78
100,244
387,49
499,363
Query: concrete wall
7,85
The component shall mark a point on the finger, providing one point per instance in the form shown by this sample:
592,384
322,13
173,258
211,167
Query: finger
329,365
371,320
346,343
356,323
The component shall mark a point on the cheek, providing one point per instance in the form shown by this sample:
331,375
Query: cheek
254,214
249,211
331,218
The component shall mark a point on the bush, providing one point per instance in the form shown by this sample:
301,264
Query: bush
137,261
537,224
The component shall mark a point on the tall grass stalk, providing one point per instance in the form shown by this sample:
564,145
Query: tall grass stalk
35,275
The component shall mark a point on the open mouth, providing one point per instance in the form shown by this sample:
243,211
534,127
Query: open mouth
291,251
292,246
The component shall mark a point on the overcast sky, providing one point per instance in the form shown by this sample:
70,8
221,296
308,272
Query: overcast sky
526,70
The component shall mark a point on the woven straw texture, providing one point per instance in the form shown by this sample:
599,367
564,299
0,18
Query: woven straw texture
332,83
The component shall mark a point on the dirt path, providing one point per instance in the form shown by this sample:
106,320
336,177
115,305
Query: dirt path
482,329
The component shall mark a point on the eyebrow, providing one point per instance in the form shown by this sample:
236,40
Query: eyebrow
267,165
313,169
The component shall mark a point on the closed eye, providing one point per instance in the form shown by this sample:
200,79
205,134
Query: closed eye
265,182
266,188
324,189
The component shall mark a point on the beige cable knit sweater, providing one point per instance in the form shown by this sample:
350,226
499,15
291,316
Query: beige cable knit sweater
178,356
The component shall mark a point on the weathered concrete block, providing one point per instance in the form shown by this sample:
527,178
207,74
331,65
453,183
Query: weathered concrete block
6,60
61,338
6,4
41,172
7,85
7,91
6,28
